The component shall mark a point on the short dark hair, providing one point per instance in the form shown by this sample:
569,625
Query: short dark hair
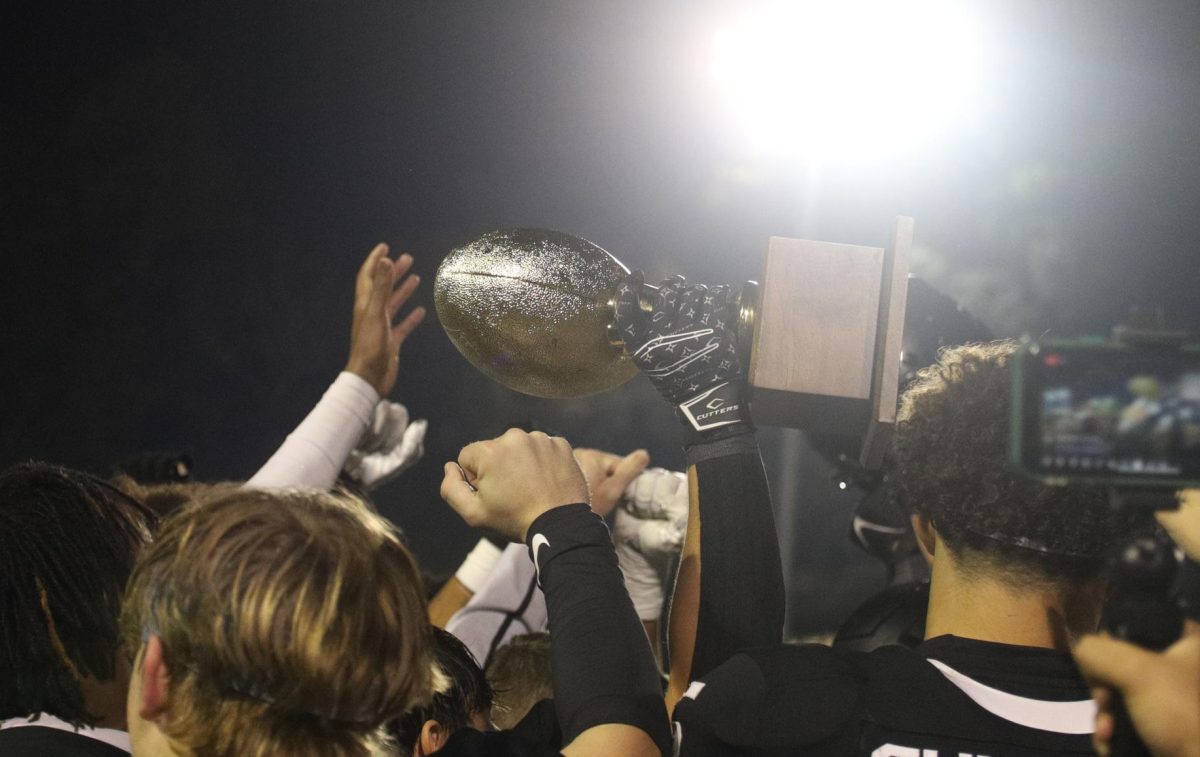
467,693
68,542
951,466
521,675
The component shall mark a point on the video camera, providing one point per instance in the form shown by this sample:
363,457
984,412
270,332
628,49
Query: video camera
1123,413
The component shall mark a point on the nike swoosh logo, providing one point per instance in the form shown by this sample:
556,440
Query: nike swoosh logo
860,525
538,542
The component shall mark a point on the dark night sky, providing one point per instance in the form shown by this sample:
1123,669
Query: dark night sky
189,188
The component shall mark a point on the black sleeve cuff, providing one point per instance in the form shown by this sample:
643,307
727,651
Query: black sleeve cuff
561,530
743,442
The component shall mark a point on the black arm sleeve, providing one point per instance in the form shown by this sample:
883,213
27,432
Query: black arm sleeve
742,597
603,668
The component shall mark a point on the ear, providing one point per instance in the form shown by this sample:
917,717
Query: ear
926,536
155,679
433,737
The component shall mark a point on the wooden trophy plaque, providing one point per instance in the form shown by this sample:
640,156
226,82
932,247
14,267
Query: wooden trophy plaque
827,338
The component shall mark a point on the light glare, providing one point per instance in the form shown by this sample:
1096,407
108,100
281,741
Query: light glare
848,79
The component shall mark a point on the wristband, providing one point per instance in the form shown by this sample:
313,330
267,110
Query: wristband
478,565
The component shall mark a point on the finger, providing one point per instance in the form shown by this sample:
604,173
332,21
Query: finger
401,330
643,487
597,461
626,470
664,489
1183,524
458,494
395,423
400,295
382,279
402,264
1106,660
412,444
472,459
667,299
366,272
1104,732
678,504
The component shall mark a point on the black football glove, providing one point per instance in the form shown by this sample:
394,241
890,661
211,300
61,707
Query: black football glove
686,345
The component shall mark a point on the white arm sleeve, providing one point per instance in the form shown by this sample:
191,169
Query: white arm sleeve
314,453
508,604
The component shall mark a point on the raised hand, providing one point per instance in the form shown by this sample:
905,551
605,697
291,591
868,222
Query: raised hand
686,345
608,475
511,480
1161,691
389,447
1183,524
375,339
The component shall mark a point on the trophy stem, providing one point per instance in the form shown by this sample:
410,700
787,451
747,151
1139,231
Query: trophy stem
747,313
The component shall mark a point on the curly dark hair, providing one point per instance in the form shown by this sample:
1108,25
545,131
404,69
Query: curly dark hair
951,466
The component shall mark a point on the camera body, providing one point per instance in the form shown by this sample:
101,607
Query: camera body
1124,415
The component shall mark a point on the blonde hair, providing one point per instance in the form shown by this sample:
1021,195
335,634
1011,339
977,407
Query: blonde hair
291,623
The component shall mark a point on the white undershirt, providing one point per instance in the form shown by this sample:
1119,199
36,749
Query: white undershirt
312,456
110,736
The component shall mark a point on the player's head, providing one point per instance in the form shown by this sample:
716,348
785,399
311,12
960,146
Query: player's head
464,701
68,542
951,469
289,623
521,676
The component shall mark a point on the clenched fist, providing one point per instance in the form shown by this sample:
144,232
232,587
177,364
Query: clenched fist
511,480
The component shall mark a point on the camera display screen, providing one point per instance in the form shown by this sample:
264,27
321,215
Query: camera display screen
1112,413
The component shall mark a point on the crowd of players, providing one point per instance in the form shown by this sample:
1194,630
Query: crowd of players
283,616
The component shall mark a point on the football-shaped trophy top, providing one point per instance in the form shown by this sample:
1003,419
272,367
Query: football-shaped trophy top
530,308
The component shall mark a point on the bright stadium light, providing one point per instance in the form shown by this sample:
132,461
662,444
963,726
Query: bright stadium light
849,79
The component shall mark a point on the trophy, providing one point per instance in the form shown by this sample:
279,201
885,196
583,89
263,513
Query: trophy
533,310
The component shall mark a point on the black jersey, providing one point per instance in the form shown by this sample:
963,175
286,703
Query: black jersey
950,697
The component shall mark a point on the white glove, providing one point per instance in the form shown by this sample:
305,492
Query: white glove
648,532
389,446
660,497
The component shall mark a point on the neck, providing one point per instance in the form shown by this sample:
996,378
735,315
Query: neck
105,700
989,608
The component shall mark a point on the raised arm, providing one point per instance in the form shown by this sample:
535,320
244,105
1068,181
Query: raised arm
314,454
729,591
528,487
499,594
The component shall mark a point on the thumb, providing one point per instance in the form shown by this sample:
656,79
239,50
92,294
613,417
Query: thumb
459,495
628,468
1106,660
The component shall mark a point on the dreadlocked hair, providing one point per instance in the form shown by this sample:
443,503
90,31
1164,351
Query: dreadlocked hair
68,542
